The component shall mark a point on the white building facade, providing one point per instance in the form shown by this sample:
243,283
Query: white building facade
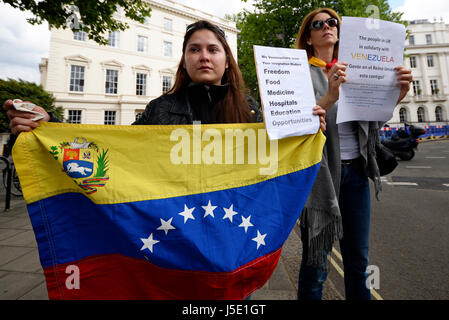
112,84
427,54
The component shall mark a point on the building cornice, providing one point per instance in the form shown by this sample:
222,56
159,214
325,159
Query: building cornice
195,14
428,46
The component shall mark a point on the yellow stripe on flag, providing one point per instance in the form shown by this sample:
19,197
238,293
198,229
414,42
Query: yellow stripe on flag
154,162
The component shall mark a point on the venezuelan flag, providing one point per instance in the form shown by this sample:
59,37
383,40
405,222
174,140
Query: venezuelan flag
162,212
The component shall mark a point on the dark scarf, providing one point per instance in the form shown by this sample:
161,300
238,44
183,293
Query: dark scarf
204,101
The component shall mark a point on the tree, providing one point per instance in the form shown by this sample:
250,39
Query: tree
276,23
26,91
95,17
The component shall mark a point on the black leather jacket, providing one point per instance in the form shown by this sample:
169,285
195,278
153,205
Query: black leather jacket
188,105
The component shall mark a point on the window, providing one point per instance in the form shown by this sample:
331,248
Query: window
138,114
141,84
166,83
109,117
421,115
428,39
167,49
114,39
417,88
403,115
434,87
74,116
439,114
413,62
411,40
142,44
77,78
80,35
168,24
111,81
430,61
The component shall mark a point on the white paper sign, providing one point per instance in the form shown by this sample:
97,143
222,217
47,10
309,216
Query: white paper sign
372,48
286,92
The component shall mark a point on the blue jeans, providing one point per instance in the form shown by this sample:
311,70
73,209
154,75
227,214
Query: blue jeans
355,204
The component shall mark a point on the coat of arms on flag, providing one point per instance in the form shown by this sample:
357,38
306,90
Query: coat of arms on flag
79,159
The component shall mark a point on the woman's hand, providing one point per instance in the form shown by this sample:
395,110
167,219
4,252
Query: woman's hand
317,110
22,121
404,78
336,76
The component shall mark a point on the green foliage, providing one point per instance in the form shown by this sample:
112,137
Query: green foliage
26,91
95,17
102,164
276,23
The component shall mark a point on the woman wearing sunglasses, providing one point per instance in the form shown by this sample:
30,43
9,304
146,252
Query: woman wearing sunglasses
339,204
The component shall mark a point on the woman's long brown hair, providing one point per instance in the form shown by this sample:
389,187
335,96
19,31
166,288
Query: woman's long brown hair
304,31
234,107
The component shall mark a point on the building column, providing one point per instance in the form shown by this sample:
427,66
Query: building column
444,71
426,85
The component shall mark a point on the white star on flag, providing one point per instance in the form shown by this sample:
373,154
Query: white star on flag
187,213
209,210
246,223
148,243
166,225
229,212
260,239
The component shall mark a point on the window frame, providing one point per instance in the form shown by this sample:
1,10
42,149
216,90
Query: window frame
165,88
145,45
170,24
403,115
143,85
115,37
439,114
430,61
108,116
421,113
164,48
82,33
413,62
77,116
416,84
434,86
75,85
111,82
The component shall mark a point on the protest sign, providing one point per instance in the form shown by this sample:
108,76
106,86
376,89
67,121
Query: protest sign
372,51
286,92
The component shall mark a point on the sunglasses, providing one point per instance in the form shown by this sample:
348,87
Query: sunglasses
195,25
318,24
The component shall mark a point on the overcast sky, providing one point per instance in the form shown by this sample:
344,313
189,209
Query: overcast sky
22,45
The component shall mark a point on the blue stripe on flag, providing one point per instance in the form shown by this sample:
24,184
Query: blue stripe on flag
70,227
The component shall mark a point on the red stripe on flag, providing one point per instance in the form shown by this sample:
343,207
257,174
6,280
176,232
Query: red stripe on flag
118,277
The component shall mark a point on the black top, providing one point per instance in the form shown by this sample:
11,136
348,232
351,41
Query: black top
197,102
